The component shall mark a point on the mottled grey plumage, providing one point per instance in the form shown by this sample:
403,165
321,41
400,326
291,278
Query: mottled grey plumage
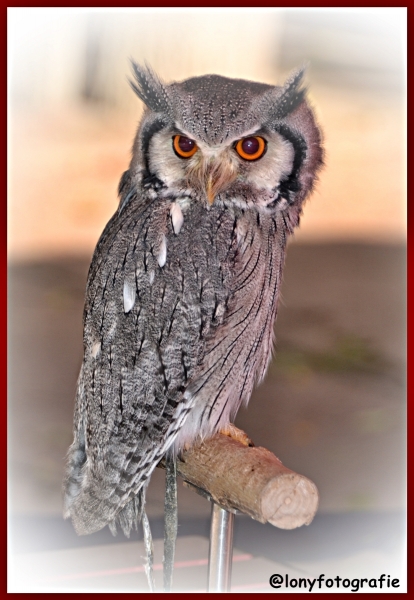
182,290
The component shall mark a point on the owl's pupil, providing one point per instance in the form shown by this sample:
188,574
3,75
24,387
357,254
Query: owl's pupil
250,145
185,144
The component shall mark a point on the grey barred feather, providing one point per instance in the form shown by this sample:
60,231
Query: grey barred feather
291,96
182,292
150,89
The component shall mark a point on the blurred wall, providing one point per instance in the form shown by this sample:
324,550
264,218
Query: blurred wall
72,114
64,55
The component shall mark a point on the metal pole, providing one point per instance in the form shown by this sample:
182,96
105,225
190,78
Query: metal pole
221,550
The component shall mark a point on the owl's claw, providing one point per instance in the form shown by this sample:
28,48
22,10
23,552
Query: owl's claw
187,446
236,434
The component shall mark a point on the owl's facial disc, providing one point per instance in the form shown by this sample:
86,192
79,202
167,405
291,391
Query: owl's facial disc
258,160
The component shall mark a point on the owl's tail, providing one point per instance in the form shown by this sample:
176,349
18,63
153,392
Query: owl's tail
82,514
130,516
76,460
84,502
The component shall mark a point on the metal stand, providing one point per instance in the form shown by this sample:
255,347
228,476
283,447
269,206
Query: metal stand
170,521
221,550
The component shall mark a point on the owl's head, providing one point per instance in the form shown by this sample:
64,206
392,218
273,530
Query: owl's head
227,141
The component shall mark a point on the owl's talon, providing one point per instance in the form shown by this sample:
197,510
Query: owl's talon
186,446
236,434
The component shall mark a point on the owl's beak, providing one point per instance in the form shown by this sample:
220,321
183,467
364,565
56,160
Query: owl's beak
213,174
218,176
210,191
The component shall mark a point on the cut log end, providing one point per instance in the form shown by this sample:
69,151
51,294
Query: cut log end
289,501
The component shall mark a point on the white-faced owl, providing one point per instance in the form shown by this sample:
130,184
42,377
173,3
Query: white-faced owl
183,287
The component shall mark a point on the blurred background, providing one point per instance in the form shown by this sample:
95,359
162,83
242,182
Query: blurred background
333,404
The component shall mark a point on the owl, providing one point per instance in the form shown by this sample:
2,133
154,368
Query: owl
183,287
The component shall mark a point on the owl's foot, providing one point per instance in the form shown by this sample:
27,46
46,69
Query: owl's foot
232,432
236,434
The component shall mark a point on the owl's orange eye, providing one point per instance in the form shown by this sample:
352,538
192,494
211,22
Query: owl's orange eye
184,147
251,148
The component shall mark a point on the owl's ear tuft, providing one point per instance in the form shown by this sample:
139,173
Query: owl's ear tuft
292,94
280,102
150,89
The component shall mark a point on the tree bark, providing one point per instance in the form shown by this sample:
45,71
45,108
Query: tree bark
251,480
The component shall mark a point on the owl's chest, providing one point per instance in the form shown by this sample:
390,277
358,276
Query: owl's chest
147,277
214,254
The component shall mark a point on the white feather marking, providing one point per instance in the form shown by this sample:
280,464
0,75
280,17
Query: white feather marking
151,277
95,350
183,202
162,255
129,296
282,204
241,231
219,311
177,217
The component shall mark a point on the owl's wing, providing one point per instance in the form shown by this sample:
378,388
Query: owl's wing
149,303
166,342
236,354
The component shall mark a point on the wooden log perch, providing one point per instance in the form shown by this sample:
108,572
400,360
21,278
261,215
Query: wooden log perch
249,479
